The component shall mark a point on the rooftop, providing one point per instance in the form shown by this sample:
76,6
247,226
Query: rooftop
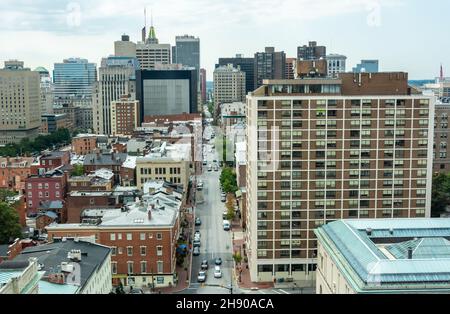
164,152
373,254
105,159
50,256
164,208
51,205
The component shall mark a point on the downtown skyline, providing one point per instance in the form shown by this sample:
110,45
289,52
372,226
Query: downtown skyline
359,29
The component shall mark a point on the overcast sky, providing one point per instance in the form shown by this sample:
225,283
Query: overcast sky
405,35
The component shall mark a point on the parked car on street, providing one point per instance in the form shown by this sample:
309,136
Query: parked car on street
201,276
197,243
218,261
217,272
198,221
196,251
226,225
204,265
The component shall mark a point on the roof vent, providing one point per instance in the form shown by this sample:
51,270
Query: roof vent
369,231
391,231
410,253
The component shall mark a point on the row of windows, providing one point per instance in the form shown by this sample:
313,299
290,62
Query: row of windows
129,249
143,267
129,236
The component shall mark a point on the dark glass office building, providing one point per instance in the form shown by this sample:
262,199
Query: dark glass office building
166,92
246,65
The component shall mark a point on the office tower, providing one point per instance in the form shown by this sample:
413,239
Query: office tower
167,91
335,64
311,52
125,47
125,116
320,150
229,85
47,94
366,66
290,68
187,51
151,52
203,86
246,65
441,156
269,65
74,78
20,103
117,77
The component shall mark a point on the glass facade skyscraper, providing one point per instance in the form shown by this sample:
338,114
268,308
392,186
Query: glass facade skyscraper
187,52
74,78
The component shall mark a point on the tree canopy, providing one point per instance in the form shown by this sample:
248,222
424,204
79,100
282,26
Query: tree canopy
228,180
10,228
78,171
440,198
42,142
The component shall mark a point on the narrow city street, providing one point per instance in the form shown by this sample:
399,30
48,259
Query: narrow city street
215,242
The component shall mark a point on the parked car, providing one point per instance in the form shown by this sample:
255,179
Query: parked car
217,272
196,251
204,264
209,168
218,261
197,243
201,276
198,221
205,162
136,291
197,234
216,168
223,198
226,225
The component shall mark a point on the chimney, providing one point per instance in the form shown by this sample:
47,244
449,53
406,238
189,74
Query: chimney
410,253
149,214
56,279
369,231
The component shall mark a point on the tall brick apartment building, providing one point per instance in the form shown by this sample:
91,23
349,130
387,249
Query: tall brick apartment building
143,237
359,146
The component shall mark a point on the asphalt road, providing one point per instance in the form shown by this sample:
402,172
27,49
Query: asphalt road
215,242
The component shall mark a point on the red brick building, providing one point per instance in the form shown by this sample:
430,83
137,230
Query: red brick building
84,144
14,171
77,202
143,238
50,161
111,161
48,187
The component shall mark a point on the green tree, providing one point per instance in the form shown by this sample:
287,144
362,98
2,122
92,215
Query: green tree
440,198
4,194
77,171
237,257
231,214
228,180
10,228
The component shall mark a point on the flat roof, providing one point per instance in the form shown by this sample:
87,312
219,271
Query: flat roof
374,253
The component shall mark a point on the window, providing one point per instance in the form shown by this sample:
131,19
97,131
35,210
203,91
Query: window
143,267
114,268
159,251
129,250
142,236
143,250
119,236
129,237
113,251
159,236
160,267
130,267
112,237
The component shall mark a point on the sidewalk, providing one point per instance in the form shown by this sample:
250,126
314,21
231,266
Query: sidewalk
182,283
242,268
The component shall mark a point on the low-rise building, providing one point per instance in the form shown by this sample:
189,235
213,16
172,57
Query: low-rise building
84,144
384,256
19,277
143,237
111,161
49,161
71,266
51,186
99,180
14,172
232,113
51,211
169,163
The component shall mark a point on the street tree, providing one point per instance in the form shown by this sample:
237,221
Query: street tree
10,228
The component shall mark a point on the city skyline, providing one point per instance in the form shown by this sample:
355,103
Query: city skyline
67,28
